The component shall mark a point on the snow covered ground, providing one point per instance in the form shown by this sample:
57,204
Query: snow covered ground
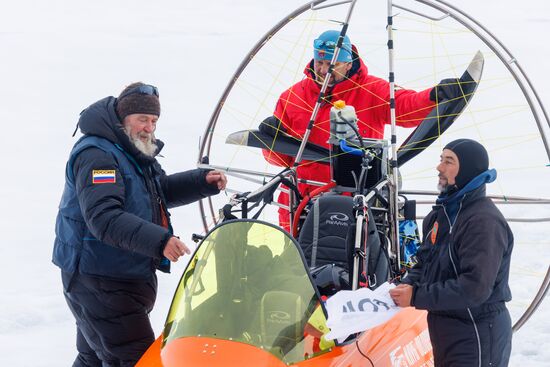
59,56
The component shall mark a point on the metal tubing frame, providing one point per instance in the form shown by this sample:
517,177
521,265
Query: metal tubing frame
543,291
241,173
449,10
394,189
359,219
420,14
324,87
207,139
330,5
516,220
497,199
317,107
471,24
494,197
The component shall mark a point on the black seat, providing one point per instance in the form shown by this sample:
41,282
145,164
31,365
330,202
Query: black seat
327,237
324,232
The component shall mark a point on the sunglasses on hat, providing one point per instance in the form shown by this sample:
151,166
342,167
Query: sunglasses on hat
330,45
142,89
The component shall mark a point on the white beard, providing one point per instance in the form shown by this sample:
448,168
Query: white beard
442,187
148,147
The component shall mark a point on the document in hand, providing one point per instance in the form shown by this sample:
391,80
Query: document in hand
351,312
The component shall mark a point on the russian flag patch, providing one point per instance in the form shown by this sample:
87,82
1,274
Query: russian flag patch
103,176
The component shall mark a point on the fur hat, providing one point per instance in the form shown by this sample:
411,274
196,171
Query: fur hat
138,98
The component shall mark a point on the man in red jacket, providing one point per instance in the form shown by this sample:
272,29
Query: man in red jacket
350,82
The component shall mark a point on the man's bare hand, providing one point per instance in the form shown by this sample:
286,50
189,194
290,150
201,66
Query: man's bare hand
218,178
175,249
402,295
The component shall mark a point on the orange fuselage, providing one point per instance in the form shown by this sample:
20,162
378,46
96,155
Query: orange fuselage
403,341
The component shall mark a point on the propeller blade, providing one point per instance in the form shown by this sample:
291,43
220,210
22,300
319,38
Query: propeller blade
442,116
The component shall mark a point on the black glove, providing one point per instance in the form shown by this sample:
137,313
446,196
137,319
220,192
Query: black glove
271,126
446,89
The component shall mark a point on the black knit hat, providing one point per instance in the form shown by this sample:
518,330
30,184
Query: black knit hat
138,98
472,157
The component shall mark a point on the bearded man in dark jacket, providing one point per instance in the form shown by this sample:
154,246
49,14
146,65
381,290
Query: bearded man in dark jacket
113,228
464,263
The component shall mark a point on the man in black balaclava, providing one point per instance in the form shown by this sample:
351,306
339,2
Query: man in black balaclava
462,280
471,160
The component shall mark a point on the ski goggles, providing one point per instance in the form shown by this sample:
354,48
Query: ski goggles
323,50
142,89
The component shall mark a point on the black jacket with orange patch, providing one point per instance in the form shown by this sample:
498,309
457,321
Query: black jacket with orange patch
463,263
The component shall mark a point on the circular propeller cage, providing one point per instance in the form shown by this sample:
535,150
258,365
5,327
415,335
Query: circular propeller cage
433,40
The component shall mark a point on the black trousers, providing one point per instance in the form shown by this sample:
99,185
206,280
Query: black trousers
456,342
112,318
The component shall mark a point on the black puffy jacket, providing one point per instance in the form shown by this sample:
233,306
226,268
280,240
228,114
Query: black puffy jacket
115,229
